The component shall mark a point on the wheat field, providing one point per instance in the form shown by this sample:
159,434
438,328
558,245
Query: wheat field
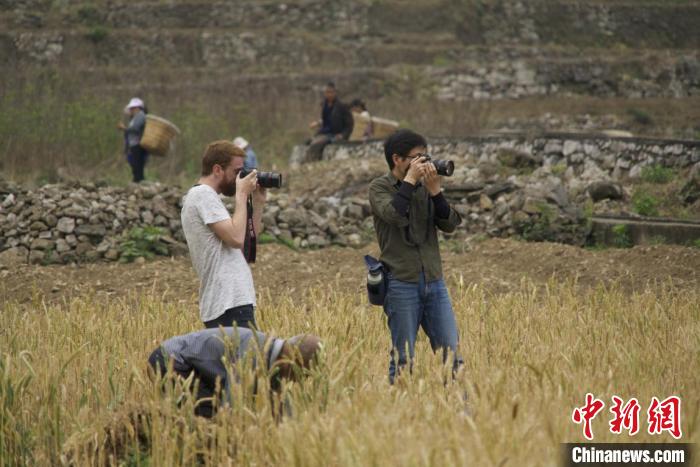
74,387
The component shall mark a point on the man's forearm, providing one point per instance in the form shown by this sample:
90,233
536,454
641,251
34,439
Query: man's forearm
257,217
442,207
239,219
402,199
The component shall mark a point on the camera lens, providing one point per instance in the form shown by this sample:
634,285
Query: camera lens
270,179
266,179
444,167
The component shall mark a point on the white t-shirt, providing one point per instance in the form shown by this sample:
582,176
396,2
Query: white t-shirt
224,274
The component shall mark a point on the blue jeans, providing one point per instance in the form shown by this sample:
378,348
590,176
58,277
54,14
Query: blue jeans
409,305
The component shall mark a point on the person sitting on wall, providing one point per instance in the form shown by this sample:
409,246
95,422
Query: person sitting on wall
335,124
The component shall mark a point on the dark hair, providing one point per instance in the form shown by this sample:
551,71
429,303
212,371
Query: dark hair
358,103
401,143
330,84
219,152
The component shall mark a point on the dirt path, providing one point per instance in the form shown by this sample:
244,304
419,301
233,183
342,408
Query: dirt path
500,265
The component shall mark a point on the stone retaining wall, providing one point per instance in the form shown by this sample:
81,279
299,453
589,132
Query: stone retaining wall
503,185
466,49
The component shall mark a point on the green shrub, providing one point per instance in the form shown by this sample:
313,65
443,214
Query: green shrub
143,242
97,34
265,237
88,14
621,236
559,169
657,240
540,229
442,61
640,116
645,204
657,174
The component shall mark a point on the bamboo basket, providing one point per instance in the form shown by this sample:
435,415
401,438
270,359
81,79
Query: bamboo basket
359,126
158,135
381,127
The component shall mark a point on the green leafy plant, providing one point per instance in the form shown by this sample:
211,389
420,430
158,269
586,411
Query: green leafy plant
640,116
621,236
657,240
540,228
88,14
442,61
657,174
142,242
97,34
559,169
49,255
645,204
265,237
288,242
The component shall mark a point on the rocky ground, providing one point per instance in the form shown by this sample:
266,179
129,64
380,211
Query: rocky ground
500,265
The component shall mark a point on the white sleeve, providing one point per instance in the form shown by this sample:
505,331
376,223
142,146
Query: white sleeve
210,208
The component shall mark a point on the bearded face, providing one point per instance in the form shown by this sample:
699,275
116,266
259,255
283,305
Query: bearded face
227,186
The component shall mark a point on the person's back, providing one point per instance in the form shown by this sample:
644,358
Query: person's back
226,279
204,349
206,354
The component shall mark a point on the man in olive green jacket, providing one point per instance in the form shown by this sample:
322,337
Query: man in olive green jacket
408,207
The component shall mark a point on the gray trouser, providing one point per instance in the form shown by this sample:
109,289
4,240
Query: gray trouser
315,150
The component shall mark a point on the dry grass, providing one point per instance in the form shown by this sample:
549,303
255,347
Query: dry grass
73,384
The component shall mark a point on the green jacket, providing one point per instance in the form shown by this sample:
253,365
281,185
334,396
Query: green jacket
409,244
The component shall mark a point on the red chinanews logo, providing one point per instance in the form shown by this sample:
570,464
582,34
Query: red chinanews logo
662,416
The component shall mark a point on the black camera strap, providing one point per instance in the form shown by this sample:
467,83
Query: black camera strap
250,241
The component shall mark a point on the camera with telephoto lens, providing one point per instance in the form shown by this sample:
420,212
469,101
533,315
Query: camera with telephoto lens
443,167
266,179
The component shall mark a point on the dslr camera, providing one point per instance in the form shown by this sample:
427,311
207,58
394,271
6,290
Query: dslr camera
266,179
443,167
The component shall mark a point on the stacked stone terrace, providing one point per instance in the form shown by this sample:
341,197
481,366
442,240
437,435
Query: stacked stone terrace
469,49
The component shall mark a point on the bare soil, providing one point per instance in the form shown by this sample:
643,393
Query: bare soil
500,265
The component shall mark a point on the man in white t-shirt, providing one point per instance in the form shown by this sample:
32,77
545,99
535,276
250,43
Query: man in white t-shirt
216,239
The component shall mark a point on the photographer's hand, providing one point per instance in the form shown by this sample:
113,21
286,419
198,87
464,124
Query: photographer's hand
415,171
431,179
246,185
